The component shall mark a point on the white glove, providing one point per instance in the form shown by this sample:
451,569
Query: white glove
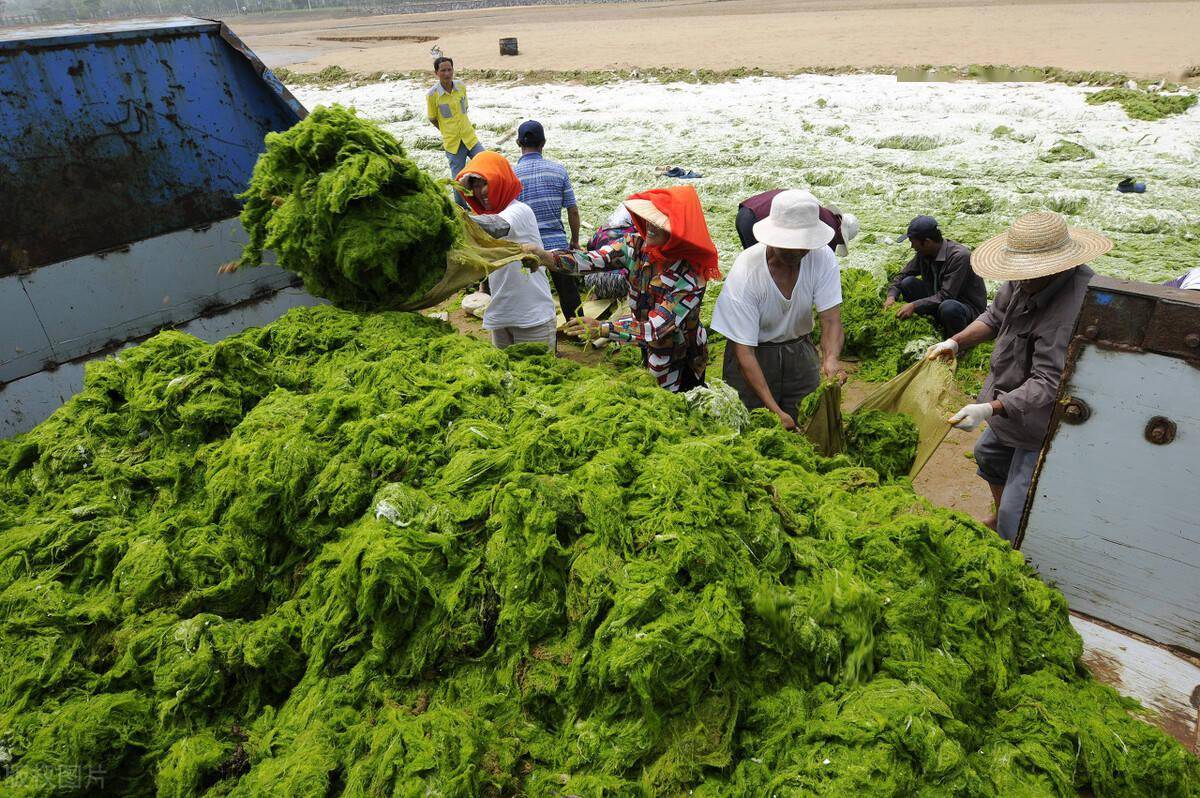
937,350
972,416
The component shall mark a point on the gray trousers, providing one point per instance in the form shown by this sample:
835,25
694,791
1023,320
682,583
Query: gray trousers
504,337
1011,467
791,369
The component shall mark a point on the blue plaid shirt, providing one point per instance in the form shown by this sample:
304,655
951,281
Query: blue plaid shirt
546,188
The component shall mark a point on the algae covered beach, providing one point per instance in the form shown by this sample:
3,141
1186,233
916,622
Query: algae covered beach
974,155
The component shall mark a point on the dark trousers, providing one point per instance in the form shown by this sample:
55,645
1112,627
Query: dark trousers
950,315
567,288
791,369
1011,467
745,227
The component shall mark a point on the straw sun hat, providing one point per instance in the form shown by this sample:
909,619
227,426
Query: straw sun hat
1037,245
646,209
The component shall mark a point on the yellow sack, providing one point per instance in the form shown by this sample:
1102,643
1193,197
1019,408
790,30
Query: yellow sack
474,259
824,427
926,393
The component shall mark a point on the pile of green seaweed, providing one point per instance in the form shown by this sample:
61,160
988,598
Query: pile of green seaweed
884,442
1144,105
886,345
347,555
339,202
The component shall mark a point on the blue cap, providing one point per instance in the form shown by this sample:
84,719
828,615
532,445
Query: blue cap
920,227
531,134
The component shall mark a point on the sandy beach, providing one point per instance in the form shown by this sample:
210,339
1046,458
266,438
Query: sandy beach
1144,39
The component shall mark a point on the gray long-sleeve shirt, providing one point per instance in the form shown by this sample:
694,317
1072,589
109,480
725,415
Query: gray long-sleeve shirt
948,275
1032,335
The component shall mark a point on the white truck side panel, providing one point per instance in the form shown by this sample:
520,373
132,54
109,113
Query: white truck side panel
71,309
1115,521
27,402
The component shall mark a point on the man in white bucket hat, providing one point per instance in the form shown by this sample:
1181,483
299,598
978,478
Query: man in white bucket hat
765,309
1031,318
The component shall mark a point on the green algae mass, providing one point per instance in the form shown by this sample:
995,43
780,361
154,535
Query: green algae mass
885,442
1064,150
339,202
885,345
347,555
875,336
971,200
1144,105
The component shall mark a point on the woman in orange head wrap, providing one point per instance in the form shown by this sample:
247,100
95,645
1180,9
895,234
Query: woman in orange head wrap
522,308
670,258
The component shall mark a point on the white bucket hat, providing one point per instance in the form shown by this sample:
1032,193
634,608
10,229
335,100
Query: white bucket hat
794,222
1037,245
849,231
848,228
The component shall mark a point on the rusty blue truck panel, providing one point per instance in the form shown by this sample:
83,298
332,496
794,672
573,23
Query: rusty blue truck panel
123,148
115,133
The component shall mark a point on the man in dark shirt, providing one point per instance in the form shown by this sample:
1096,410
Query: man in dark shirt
754,209
1031,318
938,281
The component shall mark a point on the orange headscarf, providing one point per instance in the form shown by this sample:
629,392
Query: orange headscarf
689,239
503,185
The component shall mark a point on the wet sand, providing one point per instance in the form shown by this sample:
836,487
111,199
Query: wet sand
1144,39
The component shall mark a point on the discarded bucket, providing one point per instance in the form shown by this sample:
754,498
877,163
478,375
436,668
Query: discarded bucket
508,47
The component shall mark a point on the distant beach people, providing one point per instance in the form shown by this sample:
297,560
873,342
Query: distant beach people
446,107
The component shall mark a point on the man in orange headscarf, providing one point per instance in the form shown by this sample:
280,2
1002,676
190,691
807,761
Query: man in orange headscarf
670,258
521,309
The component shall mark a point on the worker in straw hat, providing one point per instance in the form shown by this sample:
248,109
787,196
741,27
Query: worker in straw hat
1031,318
765,310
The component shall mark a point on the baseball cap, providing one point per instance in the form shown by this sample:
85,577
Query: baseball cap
920,227
531,134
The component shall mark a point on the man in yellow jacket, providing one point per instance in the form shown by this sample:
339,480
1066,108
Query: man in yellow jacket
446,107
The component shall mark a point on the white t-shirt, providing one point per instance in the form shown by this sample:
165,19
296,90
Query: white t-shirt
520,298
752,311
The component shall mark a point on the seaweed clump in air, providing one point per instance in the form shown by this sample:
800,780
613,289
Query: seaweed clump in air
348,555
339,202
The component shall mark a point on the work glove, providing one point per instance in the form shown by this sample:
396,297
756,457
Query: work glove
972,416
949,346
